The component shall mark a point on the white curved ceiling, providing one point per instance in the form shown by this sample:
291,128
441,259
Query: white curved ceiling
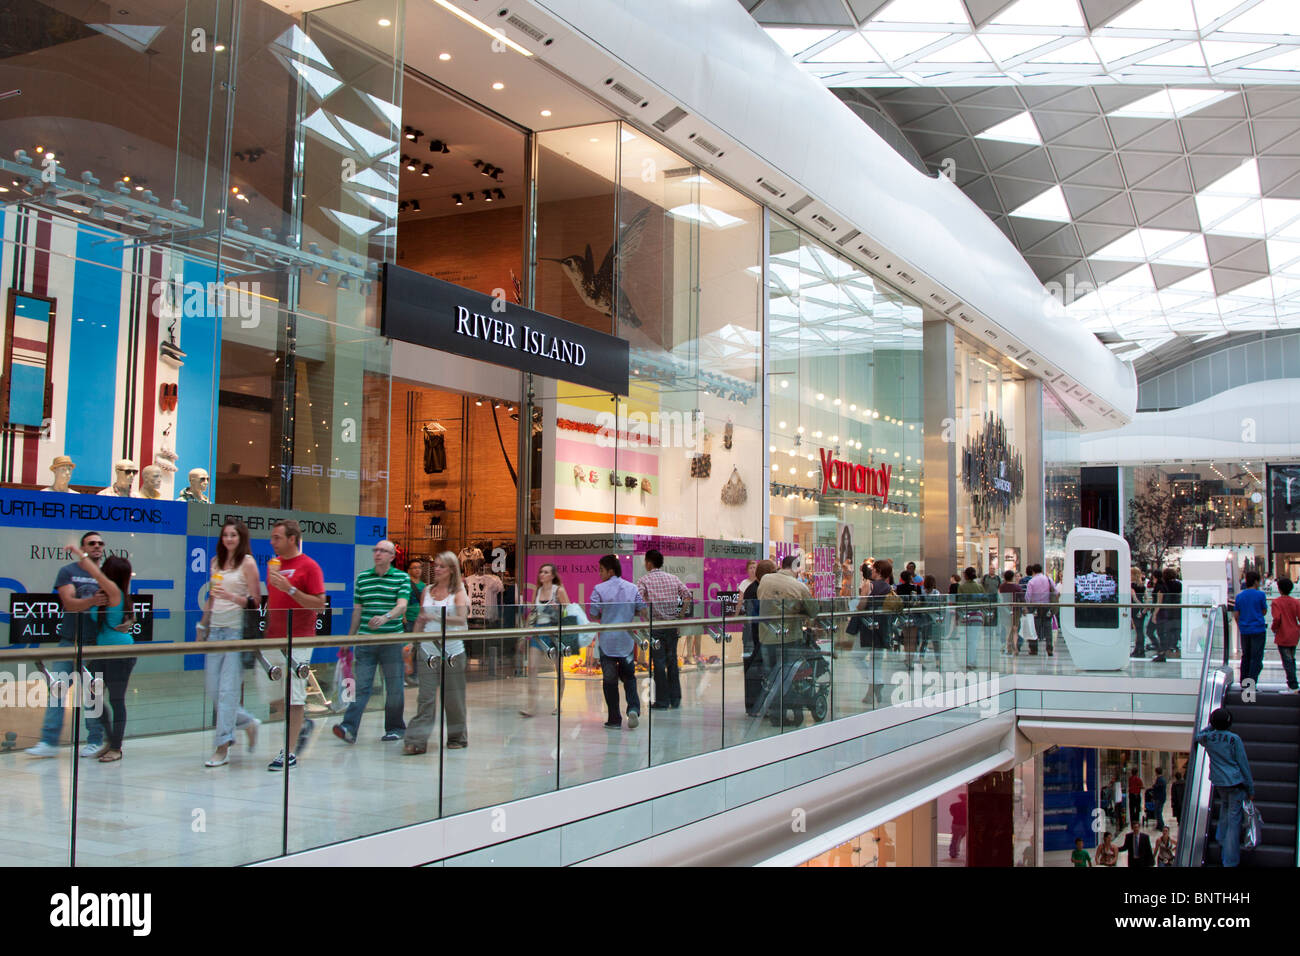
1152,192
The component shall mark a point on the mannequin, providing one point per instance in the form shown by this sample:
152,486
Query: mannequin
151,477
124,472
62,467
197,491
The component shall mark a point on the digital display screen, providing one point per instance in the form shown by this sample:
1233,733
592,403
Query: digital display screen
1096,582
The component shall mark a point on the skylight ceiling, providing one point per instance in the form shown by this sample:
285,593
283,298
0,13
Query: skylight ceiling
1041,42
1143,155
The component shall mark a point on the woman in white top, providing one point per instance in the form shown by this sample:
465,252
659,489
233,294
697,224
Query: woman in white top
550,600
445,595
234,590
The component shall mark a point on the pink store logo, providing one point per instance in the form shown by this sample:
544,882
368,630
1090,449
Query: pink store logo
843,476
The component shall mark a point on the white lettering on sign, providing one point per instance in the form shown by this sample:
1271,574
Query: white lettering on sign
531,341
844,476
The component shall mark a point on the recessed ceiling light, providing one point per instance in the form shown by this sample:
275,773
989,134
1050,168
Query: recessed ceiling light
385,22
546,112
594,139
220,47
498,86
444,57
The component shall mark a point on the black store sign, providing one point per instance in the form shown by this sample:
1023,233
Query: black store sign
34,618
1284,509
427,311
324,619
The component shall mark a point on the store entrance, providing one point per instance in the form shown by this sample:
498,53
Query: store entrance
454,488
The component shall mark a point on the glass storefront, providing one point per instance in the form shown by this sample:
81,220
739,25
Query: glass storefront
845,425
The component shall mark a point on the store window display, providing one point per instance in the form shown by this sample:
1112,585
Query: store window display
62,467
151,479
197,490
124,472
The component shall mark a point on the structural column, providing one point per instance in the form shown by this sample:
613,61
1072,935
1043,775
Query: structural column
939,409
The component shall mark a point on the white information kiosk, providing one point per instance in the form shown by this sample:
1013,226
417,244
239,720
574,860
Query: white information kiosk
1209,577
1097,628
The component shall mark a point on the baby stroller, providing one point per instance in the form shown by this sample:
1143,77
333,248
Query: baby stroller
802,680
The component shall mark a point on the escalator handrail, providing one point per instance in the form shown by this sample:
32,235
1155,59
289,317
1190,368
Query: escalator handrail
1215,680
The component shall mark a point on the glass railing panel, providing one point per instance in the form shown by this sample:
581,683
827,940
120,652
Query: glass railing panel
607,696
145,795
686,688
499,699
352,717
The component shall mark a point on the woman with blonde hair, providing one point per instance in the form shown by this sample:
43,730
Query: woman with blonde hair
549,601
445,596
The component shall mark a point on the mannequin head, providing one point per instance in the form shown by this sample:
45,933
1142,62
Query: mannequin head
151,477
62,468
198,481
124,472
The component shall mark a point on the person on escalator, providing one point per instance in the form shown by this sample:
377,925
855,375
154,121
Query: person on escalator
1250,609
1286,631
1230,774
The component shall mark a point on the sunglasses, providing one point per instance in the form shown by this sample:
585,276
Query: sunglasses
93,544
129,471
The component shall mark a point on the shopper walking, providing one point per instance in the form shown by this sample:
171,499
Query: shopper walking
1230,774
616,601
1159,792
970,593
549,601
667,599
115,624
441,661
79,594
1137,587
1107,851
1015,596
1176,791
1286,630
753,649
1138,846
295,596
234,590
789,606
1039,592
1134,796
1165,848
1249,611
1169,620
380,595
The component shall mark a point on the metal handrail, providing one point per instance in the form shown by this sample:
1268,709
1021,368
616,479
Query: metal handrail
1195,812
55,652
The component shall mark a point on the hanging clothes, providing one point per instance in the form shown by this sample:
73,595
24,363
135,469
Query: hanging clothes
435,452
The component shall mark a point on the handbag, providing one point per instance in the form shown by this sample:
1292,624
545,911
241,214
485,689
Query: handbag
892,603
1250,824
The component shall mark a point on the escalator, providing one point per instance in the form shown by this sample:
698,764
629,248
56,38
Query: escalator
1270,729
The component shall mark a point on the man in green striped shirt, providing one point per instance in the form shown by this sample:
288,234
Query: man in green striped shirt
380,596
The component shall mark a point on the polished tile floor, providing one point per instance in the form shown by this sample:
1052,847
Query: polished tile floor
161,806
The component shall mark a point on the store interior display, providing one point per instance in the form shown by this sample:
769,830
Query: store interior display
124,472
62,467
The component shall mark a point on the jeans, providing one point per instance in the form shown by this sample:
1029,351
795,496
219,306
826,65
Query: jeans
614,669
1288,664
1043,627
663,663
1252,656
753,670
366,660
52,725
1140,631
1230,816
223,675
117,671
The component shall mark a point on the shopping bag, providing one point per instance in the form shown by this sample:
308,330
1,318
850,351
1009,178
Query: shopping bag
1027,630
1250,824
571,637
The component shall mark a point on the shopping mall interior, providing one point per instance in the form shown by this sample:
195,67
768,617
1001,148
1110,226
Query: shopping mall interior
495,305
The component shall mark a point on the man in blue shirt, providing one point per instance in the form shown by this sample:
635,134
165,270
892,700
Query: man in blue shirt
1251,606
617,601
1230,774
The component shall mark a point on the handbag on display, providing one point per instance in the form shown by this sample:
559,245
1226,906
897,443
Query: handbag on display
734,491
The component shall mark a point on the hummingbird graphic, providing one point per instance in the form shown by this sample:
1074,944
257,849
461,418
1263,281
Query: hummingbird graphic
596,286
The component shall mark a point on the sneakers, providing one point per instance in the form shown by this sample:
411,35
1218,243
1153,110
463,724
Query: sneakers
633,718
92,750
279,762
341,732
613,725
392,735
303,736
42,749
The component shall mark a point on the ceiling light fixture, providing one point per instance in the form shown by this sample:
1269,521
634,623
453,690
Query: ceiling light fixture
425,171
459,200
487,196
546,112
480,25
499,194
498,85
385,22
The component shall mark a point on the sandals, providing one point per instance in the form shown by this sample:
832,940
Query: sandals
413,750
110,756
